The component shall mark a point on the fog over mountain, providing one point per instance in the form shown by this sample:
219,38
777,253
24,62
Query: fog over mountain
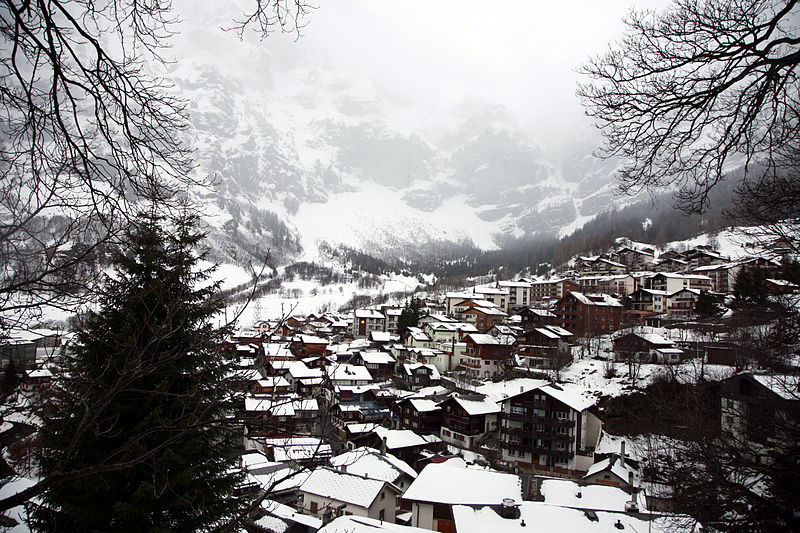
303,152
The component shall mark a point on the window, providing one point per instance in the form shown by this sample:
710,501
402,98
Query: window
383,496
382,515
314,507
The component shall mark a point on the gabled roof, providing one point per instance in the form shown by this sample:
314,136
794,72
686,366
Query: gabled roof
343,371
369,313
343,487
443,483
377,358
484,339
409,369
369,462
475,405
399,438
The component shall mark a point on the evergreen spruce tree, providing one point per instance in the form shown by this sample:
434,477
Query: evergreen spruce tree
139,437
410,315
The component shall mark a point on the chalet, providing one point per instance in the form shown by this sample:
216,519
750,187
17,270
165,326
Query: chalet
634,259
404,444
467,419
646,347
543,343
670,264
620,284
366,320
297,450
303,379
36,380
761,413
415,376
670,282
588,314
484,318
414,336
358,412
307,345
486,355
702,256
347,374
649,300
380,364
550,429
599,266
448,331
496,295
327,493
272,385
442,486
780,286
681,304
380,338
531,317
375,464
422,415
452,298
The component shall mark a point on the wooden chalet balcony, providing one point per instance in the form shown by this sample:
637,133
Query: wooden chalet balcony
520,417
465,428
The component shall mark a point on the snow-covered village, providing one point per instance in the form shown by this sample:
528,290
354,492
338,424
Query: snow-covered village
401,266
499,405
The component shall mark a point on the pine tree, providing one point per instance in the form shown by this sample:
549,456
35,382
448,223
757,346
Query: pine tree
139,436
410,315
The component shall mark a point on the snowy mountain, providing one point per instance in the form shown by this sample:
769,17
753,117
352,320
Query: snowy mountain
302,156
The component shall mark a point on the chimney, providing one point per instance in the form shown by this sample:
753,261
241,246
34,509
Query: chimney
383,445
622,452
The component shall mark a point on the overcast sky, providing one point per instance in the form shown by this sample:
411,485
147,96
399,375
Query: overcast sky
522,53
430,55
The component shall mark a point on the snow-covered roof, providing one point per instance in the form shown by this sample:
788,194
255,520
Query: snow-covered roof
311,339
423,405
448,484
399,438
369,313
285,513
547,333
39,373
273,381
475,406
568,493
515,284
380,336
369,462
613,465
360,428
784,385
343,372
343,487
595,299
571,395
377,358
486,339
297,448
675,275
409,369
480,520
559,331
362,524
299,370
491,290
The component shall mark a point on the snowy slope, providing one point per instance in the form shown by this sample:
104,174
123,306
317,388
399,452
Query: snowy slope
301,155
